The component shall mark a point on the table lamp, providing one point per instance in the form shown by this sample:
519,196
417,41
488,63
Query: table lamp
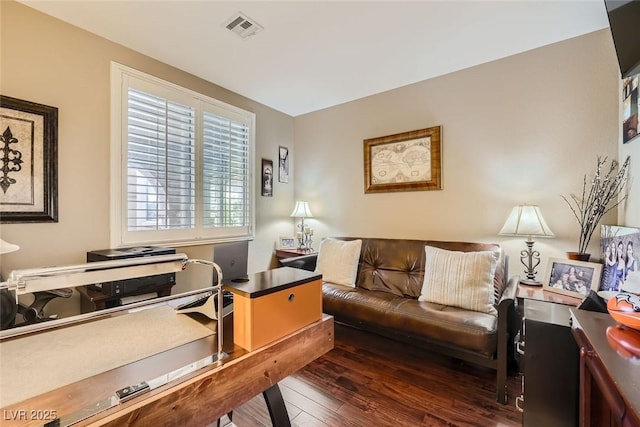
302,211
527,220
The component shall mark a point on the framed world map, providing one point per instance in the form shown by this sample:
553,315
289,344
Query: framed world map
408,161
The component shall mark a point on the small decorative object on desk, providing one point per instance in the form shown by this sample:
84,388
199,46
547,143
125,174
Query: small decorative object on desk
625,308
625,341
624,303
599,195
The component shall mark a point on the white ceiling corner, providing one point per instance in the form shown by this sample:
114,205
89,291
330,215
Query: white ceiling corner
315,54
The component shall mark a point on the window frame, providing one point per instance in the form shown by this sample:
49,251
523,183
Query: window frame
123,77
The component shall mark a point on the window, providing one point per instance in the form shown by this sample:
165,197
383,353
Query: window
181,164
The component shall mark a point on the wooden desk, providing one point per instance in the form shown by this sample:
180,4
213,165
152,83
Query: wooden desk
196,399
609,382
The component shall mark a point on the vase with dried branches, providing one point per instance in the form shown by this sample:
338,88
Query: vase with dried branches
599,195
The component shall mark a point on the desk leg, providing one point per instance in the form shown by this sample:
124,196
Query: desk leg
276,406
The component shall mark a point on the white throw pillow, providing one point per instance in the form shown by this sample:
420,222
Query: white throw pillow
460,279
338,261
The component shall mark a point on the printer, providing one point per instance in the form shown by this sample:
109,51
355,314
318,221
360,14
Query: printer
135,286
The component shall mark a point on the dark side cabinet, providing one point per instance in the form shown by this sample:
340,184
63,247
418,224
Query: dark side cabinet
551,366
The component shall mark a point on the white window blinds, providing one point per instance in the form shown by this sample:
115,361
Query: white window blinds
182,164
225,174
161,163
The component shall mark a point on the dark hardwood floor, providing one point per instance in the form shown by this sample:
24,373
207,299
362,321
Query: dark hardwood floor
368,380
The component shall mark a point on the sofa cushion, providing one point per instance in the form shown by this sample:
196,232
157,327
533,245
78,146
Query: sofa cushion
392,265
338,261
499,280
460,279
397,265
446,325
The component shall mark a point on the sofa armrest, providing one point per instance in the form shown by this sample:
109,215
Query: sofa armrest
303,262
507,327
509,293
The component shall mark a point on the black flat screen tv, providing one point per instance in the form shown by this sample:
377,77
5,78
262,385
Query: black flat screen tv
624,20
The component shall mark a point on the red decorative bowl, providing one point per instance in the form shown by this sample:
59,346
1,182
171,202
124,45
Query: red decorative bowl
625,341
625,308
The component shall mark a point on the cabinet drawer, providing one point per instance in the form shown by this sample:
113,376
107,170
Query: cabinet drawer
259,321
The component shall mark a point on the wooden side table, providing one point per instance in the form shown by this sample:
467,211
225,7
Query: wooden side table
540,294
549,359
551,367
288,253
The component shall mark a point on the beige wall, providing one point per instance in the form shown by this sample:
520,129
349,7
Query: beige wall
523,129
47,61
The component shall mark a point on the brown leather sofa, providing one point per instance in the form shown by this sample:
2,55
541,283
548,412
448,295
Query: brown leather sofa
385,301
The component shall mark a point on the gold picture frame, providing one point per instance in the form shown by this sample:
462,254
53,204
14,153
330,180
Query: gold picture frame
409,161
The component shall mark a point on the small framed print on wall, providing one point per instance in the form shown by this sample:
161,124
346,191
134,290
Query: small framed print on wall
283,164
29,162
267,178
630,107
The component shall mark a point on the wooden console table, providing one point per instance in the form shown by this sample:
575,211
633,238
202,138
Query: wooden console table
609,382
196,399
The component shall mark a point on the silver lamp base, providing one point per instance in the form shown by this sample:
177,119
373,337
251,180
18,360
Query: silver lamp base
530,282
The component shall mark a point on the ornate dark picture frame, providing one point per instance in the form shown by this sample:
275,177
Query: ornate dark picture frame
409,161
283,164
28,161
267,178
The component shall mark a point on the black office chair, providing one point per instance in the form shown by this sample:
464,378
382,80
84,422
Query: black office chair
34,313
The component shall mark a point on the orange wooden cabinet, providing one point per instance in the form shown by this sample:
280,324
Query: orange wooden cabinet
273,304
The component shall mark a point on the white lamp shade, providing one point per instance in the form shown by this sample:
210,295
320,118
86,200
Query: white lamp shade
301,210
6,247
526,220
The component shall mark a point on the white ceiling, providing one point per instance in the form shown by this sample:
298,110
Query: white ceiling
316,54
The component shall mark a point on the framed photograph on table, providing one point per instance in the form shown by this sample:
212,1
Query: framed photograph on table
408,161
29,162
286,242
572,278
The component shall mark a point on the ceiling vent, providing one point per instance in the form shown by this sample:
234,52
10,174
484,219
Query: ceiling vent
242,25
